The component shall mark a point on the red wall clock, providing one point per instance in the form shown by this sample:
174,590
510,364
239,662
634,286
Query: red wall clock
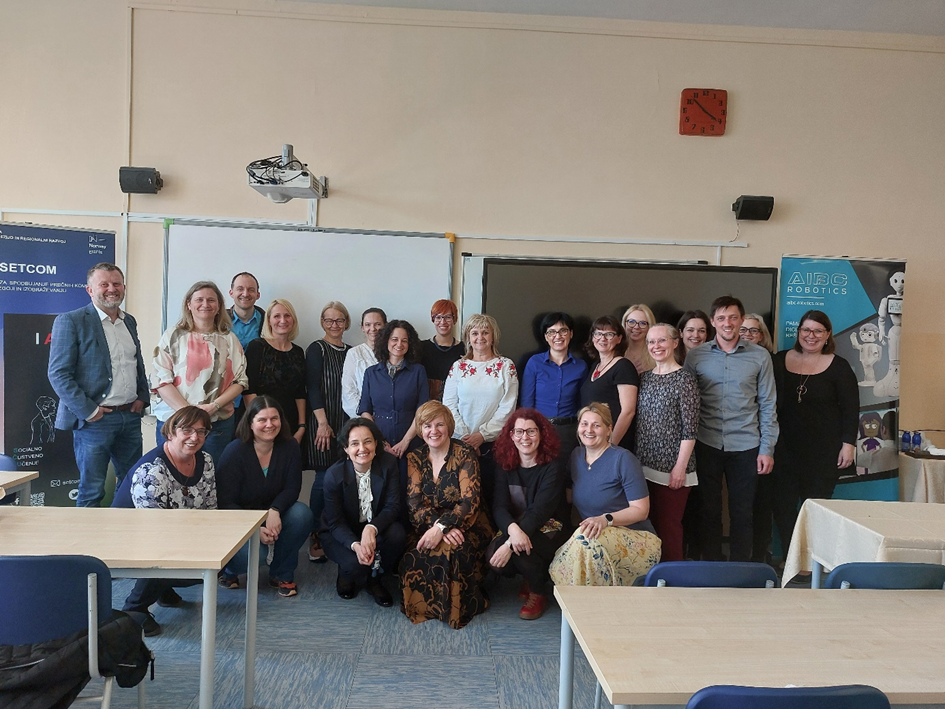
702,111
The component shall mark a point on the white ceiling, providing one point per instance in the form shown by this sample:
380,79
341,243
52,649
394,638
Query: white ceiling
919,17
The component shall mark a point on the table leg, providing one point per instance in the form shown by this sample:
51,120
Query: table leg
208,640
252,591
566,676
26,499
816,573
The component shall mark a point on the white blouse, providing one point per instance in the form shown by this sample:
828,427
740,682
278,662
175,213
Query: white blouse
481,395
359,358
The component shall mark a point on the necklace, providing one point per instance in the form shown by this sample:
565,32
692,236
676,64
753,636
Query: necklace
802,388
600,370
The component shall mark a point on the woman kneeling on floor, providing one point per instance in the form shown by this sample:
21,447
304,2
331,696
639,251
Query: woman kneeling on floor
529,506
359,527
615,543
262,470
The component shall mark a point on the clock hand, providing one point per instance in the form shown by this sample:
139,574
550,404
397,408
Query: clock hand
696,101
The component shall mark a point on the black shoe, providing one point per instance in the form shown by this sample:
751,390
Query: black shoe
170,599
150,626
380,594
346,589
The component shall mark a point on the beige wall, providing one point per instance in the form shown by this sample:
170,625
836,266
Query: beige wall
488,124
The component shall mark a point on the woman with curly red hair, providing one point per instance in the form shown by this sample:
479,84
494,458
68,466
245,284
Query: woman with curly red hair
528,506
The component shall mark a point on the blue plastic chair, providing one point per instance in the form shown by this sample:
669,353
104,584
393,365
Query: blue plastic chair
852,696
45,598
712,574
887,575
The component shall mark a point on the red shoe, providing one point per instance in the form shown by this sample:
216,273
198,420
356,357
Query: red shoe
534,607
524,591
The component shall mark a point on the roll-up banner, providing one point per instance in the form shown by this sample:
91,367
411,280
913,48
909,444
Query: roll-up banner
863,299
42,273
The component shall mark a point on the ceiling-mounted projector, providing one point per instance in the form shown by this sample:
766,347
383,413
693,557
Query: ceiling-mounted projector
282,178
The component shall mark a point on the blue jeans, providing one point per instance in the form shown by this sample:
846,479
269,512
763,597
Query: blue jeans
115,437
296,526
220,435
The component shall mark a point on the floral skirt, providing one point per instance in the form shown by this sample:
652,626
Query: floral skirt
616,558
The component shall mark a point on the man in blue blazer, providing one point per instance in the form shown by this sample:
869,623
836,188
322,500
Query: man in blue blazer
96,369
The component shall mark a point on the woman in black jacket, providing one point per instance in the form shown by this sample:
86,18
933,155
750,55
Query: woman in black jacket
262,469
529,506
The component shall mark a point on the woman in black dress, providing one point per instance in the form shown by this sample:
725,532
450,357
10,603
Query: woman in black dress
528,506
439,352
613,380
818,405
276,366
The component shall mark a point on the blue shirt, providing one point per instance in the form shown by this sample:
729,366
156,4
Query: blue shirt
609,484
738,397
551,388
393,401
246,332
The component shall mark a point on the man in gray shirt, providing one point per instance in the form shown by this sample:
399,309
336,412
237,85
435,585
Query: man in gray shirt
738,427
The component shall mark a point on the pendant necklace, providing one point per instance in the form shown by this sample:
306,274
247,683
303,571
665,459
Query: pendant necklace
802,389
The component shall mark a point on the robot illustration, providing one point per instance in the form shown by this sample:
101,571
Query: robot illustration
870,351
891,307
42,428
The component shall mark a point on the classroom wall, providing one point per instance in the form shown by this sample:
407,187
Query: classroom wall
483,124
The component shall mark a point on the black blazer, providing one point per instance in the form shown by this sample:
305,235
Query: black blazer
342,507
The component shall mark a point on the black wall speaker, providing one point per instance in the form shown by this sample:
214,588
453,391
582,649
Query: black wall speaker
754,208
139,180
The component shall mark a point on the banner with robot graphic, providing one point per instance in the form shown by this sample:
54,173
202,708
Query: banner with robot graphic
42,273
863,299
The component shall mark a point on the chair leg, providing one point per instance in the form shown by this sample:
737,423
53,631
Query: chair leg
597,694
141,700
107,694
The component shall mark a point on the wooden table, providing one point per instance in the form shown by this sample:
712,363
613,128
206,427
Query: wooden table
833,532
661,645
921,478
177,544
18,482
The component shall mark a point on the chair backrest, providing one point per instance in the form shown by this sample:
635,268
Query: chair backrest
712,574
852,696
47,597
892,575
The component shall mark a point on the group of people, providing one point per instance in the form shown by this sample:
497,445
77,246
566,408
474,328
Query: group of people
434,462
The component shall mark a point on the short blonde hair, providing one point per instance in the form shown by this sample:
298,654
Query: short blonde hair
602,410
340,307
431,411
481,321
267,331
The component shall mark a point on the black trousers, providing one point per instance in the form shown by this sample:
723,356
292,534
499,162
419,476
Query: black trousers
390,543
147,591
532,567
739,470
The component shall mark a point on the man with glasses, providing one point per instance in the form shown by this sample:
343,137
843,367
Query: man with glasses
96,370
738,428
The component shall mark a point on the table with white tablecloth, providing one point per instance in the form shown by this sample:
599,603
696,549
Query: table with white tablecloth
921,478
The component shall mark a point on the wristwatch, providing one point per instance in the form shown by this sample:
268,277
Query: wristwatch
610,519
442,526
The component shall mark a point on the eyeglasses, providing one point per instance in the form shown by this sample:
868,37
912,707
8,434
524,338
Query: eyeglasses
600,335
749,330
662,342
443,318
641,324
811,331
336,321
188,431
554,333
517,433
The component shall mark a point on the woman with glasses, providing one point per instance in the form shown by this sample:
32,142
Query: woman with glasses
754,330
276,366
529,507
359,358
667,422
615,542
696,329
551,382
262,470
199,362
818,408
439,352
325,359
637,321
176,475
612,379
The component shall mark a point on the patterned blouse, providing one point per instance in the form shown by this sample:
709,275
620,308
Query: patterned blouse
481,395
453,498
667,415
156,483
201,365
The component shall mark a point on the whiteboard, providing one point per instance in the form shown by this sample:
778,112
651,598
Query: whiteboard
403,273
